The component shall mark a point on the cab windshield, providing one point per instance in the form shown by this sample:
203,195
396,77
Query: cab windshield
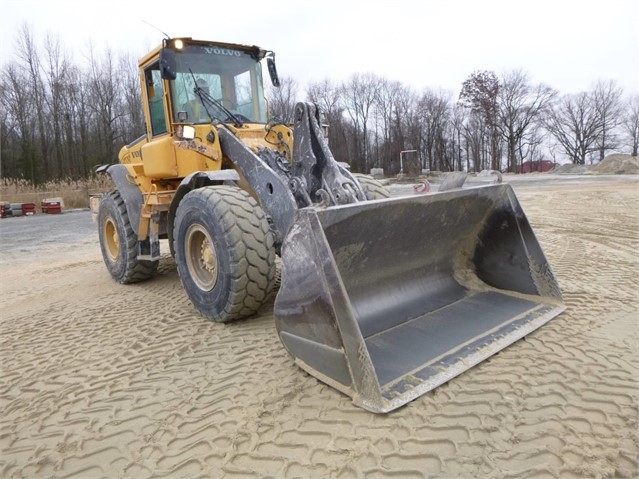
232,78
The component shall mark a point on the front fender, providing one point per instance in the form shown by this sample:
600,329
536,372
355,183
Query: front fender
195,180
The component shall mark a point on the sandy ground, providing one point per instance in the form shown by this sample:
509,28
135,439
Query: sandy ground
104,380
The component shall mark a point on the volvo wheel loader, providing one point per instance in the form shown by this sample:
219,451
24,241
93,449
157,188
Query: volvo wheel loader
382,298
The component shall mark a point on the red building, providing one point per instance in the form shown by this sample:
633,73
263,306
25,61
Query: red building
540,166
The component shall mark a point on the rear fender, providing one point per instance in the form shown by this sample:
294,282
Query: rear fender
130,193
149,247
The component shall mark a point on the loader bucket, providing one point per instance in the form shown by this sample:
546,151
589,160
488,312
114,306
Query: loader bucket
385,300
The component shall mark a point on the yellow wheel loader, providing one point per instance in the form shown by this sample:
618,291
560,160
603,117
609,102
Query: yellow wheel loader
382,298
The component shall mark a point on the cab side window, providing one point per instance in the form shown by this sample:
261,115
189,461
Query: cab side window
155,91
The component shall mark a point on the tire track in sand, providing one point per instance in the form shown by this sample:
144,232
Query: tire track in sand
100,379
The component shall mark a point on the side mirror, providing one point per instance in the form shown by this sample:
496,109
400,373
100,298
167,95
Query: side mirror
272,71
168,65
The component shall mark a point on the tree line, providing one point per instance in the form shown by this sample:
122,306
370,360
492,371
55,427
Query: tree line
59,118
496,122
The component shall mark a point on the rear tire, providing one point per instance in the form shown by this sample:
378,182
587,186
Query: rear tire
224,250
373,189
119,242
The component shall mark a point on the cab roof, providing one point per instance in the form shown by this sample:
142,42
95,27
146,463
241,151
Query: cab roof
170,42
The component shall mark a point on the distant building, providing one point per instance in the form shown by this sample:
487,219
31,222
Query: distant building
540,166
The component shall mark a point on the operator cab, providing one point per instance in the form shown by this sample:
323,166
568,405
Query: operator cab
214,82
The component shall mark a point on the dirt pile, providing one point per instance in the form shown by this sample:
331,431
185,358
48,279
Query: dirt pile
617,164
570,169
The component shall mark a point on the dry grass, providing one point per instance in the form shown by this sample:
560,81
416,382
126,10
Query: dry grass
74,193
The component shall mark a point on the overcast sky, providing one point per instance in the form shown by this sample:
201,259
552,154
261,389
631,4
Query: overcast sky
421,43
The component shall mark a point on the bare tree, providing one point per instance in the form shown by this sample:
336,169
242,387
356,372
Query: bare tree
606,96
27,52
58,118
132,122
576,123
519,105
383,116
405,129
282,100
106,103
479,94
458,117
359,94
57,66
18,120
82,118
328,96
630,124
476,137
529,146
434,113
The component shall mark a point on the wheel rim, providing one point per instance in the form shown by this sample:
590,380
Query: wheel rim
201,259
111,239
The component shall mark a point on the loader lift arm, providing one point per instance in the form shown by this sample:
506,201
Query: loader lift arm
315,179
324,179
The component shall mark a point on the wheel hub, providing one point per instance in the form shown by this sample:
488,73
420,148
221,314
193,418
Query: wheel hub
208,256
201,259
112,240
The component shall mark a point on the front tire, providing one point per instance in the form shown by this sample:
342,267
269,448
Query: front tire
119,242
224,250
373,189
